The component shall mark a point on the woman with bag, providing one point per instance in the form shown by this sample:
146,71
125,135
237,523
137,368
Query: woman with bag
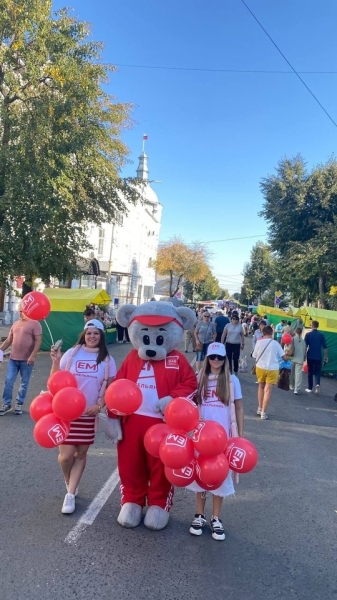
267,354
204,333
234,339
94,369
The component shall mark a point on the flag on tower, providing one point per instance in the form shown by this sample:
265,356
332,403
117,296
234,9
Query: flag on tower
145,137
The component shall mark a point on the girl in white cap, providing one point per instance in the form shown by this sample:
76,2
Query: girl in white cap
94,370
217,390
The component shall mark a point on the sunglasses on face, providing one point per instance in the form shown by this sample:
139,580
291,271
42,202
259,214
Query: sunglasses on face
206,316
216,357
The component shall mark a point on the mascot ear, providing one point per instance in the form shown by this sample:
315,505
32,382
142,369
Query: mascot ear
124,314
187,316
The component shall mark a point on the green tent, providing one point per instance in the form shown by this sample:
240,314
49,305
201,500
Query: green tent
65,321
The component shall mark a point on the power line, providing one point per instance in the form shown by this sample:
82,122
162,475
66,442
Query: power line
289,63
209,70
237,238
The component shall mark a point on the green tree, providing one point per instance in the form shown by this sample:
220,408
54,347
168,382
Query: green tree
60,147
206,289
300,208
258,273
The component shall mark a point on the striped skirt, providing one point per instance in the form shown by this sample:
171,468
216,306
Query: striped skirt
82,431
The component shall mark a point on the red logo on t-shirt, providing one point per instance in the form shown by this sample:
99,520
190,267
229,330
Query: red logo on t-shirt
86,366
172,362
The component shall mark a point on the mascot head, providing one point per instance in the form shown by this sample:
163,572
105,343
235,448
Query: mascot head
155,328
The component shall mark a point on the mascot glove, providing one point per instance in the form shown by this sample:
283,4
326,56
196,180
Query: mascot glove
162,404
113,430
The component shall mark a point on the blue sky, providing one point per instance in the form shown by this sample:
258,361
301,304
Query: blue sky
213,135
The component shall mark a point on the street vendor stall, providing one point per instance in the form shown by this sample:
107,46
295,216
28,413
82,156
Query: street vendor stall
65,320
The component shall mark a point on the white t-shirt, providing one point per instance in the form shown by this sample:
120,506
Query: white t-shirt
89,375
147,384
212,409
272,355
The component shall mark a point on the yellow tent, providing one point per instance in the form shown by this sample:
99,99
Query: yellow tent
65,300
270,310
327,318
65,320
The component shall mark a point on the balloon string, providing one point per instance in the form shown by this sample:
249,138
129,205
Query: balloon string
46,324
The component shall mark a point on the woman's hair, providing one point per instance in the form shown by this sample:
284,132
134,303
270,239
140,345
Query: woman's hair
102,347
223,382
267,330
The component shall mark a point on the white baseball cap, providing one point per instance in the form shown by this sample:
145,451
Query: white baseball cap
94,323
216,348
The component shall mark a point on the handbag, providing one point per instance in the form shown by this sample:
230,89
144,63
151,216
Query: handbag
253,371
199,346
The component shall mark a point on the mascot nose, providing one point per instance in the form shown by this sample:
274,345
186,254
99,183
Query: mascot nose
151,353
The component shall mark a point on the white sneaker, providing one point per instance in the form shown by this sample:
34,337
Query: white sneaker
308,391
291,387
317,389
68,504
296,392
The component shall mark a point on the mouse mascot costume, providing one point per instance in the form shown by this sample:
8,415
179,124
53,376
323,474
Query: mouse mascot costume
162,373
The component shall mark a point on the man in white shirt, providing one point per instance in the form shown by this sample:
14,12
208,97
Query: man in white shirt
267,353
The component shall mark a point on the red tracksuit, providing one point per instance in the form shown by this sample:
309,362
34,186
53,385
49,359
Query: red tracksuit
142,475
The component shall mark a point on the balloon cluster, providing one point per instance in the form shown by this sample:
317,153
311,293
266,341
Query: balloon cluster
286,338
194,450
53,410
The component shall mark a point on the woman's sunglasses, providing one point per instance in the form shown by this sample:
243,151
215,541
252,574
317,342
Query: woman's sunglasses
216,357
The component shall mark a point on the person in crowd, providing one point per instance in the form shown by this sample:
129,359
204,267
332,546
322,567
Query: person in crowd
25,337
220,322
315,343
189,339
258,334
265,318
204,334
88,314
234,339
217,389
298,323
287,328
267,353
298,357
279,330
90,351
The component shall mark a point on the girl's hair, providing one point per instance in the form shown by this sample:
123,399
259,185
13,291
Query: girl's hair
102,347
222,386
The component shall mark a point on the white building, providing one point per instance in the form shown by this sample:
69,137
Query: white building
124,250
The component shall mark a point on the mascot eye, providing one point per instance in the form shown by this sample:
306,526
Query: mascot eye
146,340
159,340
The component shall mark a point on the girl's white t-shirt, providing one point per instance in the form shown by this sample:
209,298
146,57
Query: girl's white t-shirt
272,354
212,409
88,373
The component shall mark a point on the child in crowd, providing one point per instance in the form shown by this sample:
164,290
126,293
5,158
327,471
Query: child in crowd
215,376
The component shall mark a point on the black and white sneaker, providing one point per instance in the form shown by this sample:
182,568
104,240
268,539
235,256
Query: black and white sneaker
217,529
18,409
5,409
197,524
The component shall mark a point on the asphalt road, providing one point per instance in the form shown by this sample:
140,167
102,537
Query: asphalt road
280,527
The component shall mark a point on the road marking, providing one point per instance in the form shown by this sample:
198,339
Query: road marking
93,509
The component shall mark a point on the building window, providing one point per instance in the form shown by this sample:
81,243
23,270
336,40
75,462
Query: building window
119,219
101,240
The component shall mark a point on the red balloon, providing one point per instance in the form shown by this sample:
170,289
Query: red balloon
209,437
69,404
204,486
41,406
212,469
286,338
50,431
176,450
123,397
241,454
35,305
59,380
181,477
181,414
154,436
305,368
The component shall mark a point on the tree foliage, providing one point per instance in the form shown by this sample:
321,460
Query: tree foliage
205,289
258,274
301,210
180,261
60,146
